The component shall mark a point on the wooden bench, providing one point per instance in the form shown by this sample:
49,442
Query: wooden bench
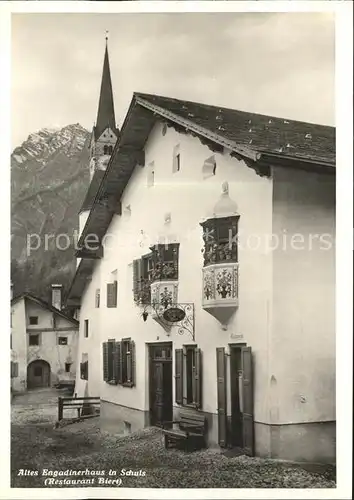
191,430
85,407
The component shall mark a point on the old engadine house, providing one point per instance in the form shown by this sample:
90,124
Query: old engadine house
175,310
43,343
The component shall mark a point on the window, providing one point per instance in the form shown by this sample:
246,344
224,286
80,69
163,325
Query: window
161,263
119,362
34,340
110,150
86,328
84,370
97,298
209,167
105,150
165,261
14,369
63,340
33,320
188,376
220,240
176,159
67,367
112,294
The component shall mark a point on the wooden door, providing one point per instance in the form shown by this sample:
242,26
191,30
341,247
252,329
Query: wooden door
38,374
160,378
221,396
247,400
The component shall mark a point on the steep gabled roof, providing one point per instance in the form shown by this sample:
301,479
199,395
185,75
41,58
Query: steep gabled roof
105,114
262,141
92,190
257,132
44,304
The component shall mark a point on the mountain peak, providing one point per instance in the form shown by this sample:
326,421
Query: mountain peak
42,144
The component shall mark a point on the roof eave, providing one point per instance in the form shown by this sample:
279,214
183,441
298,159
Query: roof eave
243,151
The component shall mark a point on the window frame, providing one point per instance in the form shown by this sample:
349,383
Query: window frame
33,320
33,335
114,287
84,370
86,328
184,377
118,364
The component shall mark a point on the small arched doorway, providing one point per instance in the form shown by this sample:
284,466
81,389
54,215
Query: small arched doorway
38,374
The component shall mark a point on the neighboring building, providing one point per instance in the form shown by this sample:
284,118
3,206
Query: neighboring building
43,343
189,302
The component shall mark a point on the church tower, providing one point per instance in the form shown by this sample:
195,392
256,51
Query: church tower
103,139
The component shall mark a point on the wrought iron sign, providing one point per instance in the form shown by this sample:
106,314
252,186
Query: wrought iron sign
180,316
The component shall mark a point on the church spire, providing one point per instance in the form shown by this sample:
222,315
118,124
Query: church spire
105,113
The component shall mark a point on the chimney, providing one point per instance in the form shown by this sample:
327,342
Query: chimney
56,296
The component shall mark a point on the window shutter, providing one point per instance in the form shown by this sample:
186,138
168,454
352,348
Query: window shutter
198,379
137,277
14,369
133,363
221,395
112,289
247,401
179,376
105,361
117,368
82,371
86,370
115,293
110,360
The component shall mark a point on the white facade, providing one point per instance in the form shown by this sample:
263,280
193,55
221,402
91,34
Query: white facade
285,307
54,343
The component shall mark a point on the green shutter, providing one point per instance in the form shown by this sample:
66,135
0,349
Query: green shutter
105,361
198,378
179,376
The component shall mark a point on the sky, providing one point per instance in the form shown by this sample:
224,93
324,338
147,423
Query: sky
279,64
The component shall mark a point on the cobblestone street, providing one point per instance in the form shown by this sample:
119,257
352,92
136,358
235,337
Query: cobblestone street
37,445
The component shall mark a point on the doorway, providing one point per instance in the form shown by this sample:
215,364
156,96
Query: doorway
160,383
38,374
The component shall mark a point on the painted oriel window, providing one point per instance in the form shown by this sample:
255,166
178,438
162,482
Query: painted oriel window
160,264
220,240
